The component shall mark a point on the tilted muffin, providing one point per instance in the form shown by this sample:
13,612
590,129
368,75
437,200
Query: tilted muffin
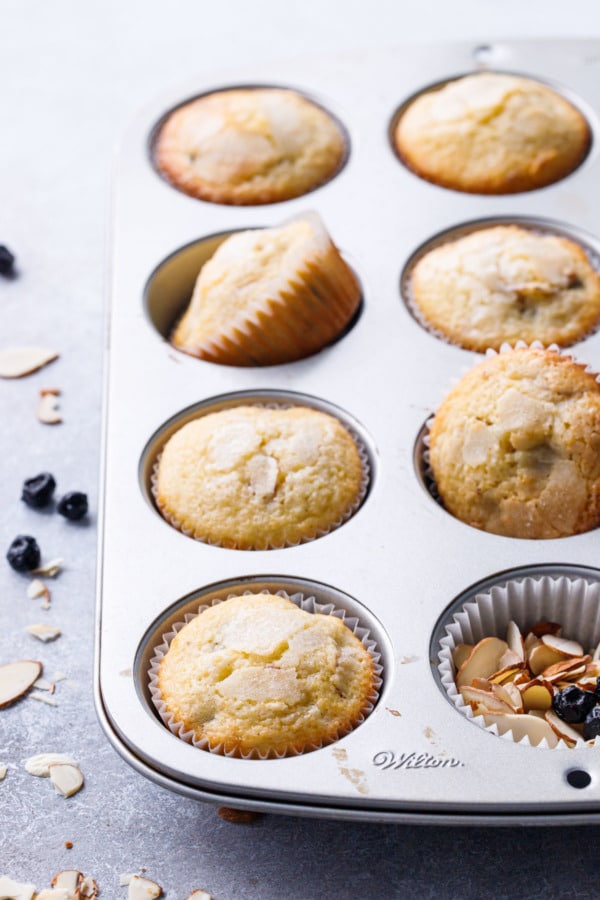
249,146
492,133
269,296
255,478
515,446
257,675
504,284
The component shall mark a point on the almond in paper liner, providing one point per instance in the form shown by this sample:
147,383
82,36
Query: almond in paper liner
521,660
264,676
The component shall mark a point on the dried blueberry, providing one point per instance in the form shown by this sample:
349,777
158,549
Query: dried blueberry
24,553
7,261
73,506
573,704
597,690
591,727
37,491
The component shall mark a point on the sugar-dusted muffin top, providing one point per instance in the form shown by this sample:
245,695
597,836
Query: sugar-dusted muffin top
268,296
249,146
507,283
256,673
250,477
492,133
515,446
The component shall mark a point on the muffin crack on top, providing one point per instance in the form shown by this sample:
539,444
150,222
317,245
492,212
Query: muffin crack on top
515,446
249,146
492,133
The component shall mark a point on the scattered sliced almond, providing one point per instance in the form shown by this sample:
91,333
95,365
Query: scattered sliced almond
15,362
507,674
574,667
460,653
51,569
140,888
3,771
47,411
563,646
510,658
56,894
16,678
88,888
37,588
15,890
511,695
542,657
66,778
43,698
514,639
44,633
482,701
199,895
68,878
40,763
43,685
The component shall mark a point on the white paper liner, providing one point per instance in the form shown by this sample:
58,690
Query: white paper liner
419,316
308,603
574,603
350,511
426,470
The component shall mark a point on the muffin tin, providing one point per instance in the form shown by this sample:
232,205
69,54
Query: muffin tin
401,563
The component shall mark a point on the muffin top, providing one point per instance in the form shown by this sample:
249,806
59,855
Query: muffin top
515,446
269,296
507,283
254,478
492,133
249,146
256,673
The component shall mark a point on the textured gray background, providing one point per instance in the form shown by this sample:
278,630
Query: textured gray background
71,76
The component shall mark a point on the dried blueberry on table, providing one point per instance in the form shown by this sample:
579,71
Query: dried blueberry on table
591,727
24,553
37,491
7,261
73,506
573,704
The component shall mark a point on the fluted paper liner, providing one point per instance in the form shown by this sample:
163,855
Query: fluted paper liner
350,511
574,603
308,603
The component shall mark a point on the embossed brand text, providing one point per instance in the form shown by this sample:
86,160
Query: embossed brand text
387,759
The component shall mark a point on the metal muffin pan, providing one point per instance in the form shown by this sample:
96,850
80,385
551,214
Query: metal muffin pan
401,557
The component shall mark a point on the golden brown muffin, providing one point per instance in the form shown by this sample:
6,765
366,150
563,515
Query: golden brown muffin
254,478
249,146
515,446
492,133
269,296
504,284
256,674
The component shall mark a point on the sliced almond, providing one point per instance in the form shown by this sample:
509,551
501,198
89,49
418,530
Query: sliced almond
510,658
514,639
36,589
507,674
574,667
68,878
538,694
43,698
563,646
66,778
510,694
543,628
562,729
199,895
143,889
460,653
43,685
15,890
482,684
51,569
482,701
56,894
88,888
482,661
47,411
43,633
40,764
16,678
15,362
530,726
530,642
542,657
3,771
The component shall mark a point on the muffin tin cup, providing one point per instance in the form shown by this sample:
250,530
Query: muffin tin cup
363,490
571,601
305,602
589,243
